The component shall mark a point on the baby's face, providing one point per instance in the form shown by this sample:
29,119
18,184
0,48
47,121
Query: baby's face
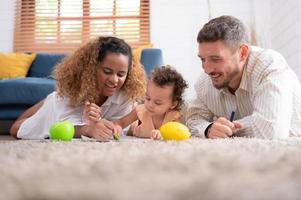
158,99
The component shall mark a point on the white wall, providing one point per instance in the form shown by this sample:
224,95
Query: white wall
175,24
174,28
260,17
7,25
286,31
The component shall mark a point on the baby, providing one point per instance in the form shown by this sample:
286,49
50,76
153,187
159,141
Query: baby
163,100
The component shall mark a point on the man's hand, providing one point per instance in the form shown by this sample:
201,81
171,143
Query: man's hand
223,128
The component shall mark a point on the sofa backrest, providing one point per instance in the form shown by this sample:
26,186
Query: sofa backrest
151,58
43,64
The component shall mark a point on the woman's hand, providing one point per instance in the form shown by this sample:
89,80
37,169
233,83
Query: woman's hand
102,130
156,135
92,113
117,129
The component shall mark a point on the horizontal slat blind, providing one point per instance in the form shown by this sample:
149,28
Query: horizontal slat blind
63,25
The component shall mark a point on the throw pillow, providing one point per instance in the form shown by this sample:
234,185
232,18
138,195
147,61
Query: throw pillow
137,51
15,65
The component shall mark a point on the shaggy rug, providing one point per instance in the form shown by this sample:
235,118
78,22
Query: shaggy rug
237,168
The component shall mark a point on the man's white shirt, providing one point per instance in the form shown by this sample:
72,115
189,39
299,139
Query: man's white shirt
267,102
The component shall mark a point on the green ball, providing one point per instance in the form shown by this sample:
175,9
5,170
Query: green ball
62,131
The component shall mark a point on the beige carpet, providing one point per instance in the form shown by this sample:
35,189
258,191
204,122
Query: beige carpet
236,168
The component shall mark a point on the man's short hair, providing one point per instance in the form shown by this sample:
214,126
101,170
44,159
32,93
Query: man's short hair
226,28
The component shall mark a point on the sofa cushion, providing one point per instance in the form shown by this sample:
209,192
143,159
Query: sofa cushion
15,65
11,112
25,90
43,65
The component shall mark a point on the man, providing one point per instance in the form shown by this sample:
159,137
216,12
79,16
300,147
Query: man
257,86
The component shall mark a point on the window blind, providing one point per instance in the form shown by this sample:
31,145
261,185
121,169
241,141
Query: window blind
63,25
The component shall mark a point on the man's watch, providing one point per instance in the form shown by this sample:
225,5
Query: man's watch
207,130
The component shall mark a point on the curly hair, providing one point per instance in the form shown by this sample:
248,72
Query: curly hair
76,75
167,75
226,28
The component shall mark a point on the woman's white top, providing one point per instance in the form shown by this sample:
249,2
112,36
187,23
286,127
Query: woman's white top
57,109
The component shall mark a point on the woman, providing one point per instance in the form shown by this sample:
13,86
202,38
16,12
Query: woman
100,72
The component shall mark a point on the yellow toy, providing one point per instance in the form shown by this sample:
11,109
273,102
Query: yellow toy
174,131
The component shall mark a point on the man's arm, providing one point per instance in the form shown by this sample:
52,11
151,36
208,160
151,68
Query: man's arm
273,107
198,117
200,122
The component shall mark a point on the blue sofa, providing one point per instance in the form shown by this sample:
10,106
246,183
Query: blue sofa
19,94
16,95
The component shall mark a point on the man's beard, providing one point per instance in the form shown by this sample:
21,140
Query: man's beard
228,79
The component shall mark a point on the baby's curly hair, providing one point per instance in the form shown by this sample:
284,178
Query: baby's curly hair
167,75
76,75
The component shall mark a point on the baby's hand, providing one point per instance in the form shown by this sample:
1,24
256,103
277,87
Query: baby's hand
156,135
91,113
177,117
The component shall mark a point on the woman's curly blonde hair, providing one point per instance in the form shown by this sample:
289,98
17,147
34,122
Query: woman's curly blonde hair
76,75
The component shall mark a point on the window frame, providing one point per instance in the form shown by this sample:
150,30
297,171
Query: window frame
25,38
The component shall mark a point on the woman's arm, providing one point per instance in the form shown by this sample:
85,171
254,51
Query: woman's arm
28,113
124,122
127,120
